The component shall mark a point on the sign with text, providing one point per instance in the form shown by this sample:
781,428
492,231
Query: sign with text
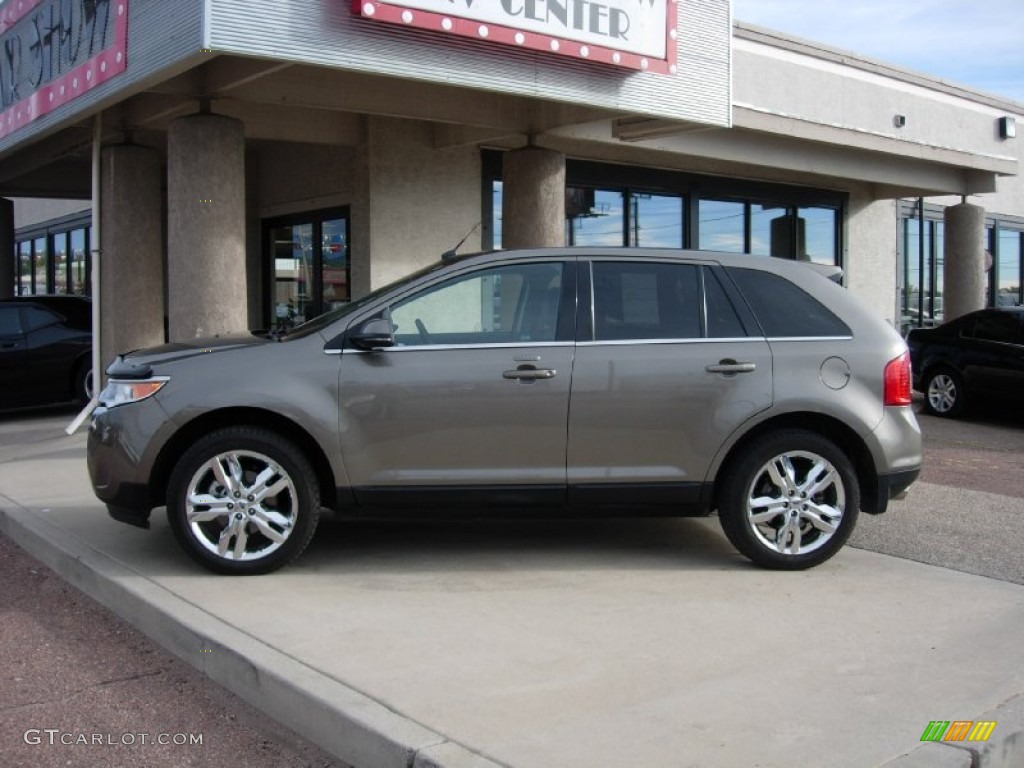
53,51
638,34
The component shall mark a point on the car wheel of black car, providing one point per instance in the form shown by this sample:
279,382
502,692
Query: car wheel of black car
790,500
943,393
243,500
83,383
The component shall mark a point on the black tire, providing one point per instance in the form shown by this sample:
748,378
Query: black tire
815,512
944,393
82,383
263,524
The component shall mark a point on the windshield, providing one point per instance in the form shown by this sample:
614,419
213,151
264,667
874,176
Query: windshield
326,319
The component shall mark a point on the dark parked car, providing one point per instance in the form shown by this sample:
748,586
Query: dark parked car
585,380
976,358
45,350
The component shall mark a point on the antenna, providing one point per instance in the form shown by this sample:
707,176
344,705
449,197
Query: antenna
449,255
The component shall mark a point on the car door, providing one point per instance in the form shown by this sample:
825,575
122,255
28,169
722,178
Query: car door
471,402
993,361
13,358
665,372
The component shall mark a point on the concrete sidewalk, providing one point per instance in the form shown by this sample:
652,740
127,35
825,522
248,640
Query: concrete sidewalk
640,643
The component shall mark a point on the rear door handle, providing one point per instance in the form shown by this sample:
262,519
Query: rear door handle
530,374
730,367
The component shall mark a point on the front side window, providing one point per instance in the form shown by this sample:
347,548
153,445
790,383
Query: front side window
644,300
10,321
508,304
999,327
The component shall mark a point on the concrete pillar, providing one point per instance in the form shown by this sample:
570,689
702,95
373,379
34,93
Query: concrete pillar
8,253
131,260
206,275
533,198
964,260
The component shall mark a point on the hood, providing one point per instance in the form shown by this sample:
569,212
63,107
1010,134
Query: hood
139,363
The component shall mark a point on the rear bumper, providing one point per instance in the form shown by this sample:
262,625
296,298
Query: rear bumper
890,486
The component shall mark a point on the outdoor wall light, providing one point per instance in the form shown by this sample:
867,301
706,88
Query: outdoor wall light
1007,128
899,120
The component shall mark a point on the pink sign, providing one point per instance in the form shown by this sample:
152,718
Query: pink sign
55,51
636,34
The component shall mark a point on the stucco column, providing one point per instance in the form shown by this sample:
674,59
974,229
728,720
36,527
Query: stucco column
131,262
533,198
7,251
964,260
206,279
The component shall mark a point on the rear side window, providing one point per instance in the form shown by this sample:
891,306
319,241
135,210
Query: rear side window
723,322
38,317
646,300
997,326
785,310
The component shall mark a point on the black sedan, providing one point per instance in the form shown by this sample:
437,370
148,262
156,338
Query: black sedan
976,358
45,350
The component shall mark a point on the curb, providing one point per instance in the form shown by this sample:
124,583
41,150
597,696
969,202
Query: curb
354,727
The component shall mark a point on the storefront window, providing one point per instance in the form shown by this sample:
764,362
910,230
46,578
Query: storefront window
595,218
40,256
79,262
309,262
818,235
60,263
722,226
1008,293
25,268
656,221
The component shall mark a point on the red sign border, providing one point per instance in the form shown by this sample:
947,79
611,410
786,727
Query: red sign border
99,69
387,11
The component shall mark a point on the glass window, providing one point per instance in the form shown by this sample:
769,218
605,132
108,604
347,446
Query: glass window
997,326
37,317
722,226
783,309
656,221
335,264
763,228
646,301
60,262
42,264
292,248
497,189
595,218
1008,292
816,235
722,320
509,304
79,262
25,268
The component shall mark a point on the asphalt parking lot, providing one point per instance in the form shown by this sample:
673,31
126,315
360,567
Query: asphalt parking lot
72,666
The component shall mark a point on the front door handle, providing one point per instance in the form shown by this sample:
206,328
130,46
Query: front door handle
730,367
530,373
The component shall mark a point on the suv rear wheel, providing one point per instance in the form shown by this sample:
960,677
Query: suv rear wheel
790,500
243,500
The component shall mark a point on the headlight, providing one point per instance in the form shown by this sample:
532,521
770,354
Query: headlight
124,391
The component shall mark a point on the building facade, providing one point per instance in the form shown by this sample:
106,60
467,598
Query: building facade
229,165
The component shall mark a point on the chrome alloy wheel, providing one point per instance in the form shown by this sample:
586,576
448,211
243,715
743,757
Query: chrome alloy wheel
241,505
796,503
942,393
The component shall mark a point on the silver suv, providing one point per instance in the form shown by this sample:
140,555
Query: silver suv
611,381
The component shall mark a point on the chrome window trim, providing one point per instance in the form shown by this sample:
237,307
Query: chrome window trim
445,347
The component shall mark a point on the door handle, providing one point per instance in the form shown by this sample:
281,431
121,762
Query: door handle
530,374
730,367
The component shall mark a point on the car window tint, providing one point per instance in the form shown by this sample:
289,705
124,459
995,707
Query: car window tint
10,322
722,320
645,300
508,304
36,317
997,326
784,309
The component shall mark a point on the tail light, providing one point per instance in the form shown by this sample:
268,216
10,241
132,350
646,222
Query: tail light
897,381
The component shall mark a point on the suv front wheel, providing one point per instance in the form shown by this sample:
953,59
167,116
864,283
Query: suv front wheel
790,500
243,500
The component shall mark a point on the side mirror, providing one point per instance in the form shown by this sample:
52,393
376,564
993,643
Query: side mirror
372,334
